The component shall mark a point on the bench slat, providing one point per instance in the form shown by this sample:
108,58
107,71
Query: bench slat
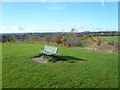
49,50
46,52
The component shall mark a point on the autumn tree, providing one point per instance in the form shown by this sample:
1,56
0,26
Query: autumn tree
58,39
63,40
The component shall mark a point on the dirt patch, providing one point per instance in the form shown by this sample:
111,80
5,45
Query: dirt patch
39,59
102,45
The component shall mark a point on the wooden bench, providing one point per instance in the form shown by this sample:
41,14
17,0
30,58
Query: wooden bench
49,50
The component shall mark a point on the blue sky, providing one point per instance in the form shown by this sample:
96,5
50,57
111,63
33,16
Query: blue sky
59,16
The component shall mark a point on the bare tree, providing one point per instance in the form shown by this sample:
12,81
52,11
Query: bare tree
72,39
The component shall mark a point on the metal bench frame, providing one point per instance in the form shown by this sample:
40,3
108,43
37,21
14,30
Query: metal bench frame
49,50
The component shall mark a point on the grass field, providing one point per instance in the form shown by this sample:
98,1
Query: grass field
0,66
90,70
111,38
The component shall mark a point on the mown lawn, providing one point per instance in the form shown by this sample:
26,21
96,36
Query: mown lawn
110,38
91,69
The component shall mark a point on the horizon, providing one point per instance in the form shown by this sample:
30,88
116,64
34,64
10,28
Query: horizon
39,17
56,32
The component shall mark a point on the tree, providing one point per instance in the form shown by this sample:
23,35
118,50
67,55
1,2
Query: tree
53,38
34,38
47,39
63,40
27,38
58,39
12,38
73,30
72,39
31,38
5,38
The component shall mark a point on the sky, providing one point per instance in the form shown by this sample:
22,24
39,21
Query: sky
21,17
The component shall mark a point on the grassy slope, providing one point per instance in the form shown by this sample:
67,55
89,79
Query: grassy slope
111,38
99,71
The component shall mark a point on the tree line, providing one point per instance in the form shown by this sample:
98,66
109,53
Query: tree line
71,39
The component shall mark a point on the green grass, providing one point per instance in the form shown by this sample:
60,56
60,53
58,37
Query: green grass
0,65
110,38
90,70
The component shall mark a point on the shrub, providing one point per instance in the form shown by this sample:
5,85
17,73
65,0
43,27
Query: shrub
47,39
99,42
72,40
111,43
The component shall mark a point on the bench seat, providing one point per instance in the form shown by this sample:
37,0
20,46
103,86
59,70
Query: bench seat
49,53
49,50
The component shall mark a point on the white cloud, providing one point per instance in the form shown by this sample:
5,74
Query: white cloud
105,29
91,28
72,24
54,28
43,30
17,27
11,29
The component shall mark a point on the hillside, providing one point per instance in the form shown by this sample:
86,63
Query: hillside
98,44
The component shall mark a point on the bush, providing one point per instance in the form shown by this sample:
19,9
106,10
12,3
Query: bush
111,43
99,42
72,40
49,58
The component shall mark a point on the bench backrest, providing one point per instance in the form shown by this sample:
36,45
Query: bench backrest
50,49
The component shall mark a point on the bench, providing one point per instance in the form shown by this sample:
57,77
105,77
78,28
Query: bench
49,50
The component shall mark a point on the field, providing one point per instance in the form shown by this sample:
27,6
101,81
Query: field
111,38
0,66
90,70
